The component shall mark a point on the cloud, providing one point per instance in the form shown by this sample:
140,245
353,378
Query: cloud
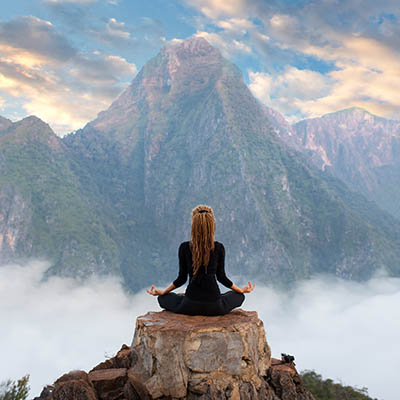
366,75
37,36
54,80
228,47
240,25
344,330
58,325
69,1
217,8
356,49
289,91
116,29
366,64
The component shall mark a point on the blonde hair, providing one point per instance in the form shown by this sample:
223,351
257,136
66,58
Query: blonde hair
202,236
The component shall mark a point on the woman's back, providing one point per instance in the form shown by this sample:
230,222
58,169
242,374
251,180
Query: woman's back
203,286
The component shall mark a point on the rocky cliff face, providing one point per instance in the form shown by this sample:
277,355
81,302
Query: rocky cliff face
15,223
180,357
359,148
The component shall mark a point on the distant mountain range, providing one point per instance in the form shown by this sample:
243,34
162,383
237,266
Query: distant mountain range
359,148
115,197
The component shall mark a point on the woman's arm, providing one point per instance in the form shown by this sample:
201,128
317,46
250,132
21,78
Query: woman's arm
183,270
179,281
221,276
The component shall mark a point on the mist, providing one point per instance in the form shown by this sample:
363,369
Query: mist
346,331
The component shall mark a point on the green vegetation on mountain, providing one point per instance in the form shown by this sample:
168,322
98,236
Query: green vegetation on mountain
327,389
117,194
56,219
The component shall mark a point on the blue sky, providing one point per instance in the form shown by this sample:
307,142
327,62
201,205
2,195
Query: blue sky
66,60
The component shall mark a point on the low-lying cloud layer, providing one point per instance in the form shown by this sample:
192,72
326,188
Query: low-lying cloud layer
344,330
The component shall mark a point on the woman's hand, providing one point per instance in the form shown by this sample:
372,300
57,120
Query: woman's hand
154,291
248,288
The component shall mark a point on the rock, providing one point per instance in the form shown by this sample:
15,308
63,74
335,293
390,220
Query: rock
74,385
46,393
286,382
176,356
123,359
181,355
109,383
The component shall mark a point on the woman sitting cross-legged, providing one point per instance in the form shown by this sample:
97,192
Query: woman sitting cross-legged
203,260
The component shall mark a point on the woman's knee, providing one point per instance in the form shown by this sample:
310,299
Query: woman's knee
241,298
161,301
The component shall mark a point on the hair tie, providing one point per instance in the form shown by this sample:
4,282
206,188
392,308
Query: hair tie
203,211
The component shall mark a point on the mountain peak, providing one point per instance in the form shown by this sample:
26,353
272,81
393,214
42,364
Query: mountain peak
181,69
354,110
33,120
194,46
32,129
188,53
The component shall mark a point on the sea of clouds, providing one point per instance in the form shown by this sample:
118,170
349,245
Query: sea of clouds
343,330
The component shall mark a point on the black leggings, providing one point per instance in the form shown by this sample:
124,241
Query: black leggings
183,305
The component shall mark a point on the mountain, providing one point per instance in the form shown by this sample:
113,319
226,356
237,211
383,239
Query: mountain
361,149
44,211
188,131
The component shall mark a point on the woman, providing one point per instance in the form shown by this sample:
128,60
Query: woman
204,261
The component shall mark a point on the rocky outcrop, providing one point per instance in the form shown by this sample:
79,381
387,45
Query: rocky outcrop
183,357
180,356
15,220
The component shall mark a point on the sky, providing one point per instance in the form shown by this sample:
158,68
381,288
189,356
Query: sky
66,60
344,330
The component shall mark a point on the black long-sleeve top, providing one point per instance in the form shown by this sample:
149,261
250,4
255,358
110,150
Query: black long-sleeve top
204,286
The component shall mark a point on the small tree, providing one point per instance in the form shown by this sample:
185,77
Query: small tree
11,390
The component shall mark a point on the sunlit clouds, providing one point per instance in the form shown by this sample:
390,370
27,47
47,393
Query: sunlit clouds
227,46
343,56
53,80
72,58
289,91
115,28
217,8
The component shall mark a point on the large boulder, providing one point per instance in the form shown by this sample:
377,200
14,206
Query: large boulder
175,356
179,355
